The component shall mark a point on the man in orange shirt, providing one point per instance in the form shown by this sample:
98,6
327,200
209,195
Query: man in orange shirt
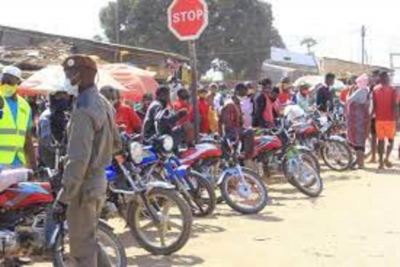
384,98
126,117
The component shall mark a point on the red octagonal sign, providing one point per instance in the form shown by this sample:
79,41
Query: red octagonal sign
187,19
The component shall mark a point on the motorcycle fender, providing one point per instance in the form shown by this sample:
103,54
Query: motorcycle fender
232,171
159,184
337,138
299,147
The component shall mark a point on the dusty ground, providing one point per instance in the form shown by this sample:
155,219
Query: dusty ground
355,222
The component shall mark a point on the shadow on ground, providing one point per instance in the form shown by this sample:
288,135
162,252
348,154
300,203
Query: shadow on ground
199,229
165,261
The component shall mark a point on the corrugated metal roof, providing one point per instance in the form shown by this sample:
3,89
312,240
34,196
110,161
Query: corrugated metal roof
286,56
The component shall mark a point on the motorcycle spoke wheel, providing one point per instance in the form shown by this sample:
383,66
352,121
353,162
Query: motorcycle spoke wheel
337,156
307,180
159,234
111,249
248,196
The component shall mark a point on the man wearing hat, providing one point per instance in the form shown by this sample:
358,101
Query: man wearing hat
16,146
92,139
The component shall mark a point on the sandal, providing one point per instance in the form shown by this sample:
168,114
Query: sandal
388,164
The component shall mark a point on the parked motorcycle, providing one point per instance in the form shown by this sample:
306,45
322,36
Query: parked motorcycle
27,227
159,218
220,161
316,134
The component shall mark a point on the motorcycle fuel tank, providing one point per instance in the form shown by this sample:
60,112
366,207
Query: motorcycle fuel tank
26,194
199,152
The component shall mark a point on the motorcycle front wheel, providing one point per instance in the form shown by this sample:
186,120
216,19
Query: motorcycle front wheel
111,251
170,231
248,195
204,199
337,155
305,178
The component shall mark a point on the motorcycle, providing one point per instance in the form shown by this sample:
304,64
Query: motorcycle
220,161
153,209
193,186
27,227
276,149
316,133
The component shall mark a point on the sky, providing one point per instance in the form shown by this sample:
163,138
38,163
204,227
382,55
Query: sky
335,24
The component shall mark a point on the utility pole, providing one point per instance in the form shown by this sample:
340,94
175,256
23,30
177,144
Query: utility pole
363,32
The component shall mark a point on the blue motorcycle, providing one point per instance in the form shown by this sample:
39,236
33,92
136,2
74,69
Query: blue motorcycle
162,165
159,218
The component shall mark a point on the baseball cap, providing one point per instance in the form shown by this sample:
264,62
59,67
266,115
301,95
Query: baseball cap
13,71
79,61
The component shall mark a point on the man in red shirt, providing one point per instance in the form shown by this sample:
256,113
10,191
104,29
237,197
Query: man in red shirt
126,117
183,103
384,98
204,110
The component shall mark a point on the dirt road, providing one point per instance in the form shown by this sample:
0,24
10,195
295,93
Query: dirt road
355,222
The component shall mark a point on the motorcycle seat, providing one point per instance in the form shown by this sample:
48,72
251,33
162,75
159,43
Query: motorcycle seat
10,177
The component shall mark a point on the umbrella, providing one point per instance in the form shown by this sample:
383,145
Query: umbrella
52,79
313,81
137,81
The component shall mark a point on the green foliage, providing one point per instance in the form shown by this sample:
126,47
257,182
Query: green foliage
240,32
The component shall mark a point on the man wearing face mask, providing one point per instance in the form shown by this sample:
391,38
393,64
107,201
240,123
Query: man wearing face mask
16,145
52,126
92,139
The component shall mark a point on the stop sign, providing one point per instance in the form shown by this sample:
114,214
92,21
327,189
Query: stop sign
187,19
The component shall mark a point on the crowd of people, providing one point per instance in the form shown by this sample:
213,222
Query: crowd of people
94,123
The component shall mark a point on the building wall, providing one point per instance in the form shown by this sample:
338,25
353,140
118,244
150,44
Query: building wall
344,68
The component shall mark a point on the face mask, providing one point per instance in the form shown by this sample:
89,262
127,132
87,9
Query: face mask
72,89
7,90
242,98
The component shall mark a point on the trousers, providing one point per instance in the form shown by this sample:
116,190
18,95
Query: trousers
82,217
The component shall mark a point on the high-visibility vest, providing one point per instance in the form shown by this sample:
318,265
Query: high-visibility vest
12,135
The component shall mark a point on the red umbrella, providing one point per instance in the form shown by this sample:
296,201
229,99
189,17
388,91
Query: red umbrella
137,81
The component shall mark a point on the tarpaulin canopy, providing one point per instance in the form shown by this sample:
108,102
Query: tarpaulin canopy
137,81
52,79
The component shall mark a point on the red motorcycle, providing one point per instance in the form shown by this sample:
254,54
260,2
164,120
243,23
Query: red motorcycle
219,161
318,134
27,227
275,149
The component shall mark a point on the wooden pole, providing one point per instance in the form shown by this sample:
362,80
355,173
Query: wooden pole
193,88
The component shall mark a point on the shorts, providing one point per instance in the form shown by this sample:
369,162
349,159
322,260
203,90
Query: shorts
373,126
385,130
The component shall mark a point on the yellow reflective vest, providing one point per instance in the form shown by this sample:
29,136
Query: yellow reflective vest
12,135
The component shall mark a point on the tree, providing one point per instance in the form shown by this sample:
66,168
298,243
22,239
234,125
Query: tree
309,43
240,32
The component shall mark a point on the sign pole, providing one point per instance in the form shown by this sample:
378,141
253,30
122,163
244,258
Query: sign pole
193,88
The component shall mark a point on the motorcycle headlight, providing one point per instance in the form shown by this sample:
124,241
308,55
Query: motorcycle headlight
167,143
136,151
